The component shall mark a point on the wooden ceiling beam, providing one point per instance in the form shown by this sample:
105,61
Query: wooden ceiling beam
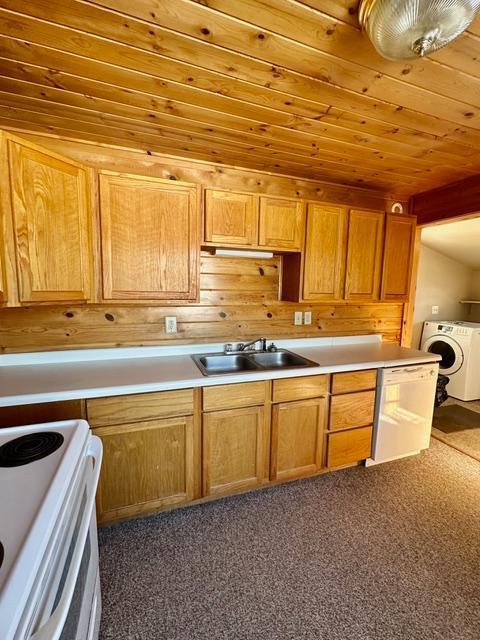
456,200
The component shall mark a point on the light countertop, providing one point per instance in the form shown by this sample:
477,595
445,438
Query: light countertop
32,378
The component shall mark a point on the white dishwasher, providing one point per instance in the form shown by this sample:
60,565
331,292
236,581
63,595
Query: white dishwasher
403,411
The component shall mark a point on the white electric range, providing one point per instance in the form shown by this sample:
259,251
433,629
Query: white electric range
49,584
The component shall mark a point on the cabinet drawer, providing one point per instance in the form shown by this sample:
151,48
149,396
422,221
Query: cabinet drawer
138,407
347,447
231,396
354,381
302,388
352,410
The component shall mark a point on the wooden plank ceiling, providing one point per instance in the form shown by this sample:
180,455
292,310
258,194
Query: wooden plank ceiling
285,86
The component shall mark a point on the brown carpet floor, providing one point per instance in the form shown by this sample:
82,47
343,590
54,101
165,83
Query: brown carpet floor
386,553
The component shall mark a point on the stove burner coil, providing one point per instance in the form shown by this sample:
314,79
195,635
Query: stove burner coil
29,448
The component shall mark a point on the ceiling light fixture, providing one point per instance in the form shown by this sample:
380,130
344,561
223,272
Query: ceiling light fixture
405,29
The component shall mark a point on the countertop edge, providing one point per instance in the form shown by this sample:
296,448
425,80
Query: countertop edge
203,381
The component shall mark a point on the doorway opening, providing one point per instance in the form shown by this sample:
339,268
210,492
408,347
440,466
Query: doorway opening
446,320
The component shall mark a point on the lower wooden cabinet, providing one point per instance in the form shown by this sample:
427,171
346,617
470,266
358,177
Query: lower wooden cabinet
146,465
297,438
235,450
169,448
349,446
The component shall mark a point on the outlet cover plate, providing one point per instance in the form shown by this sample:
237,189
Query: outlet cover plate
170,324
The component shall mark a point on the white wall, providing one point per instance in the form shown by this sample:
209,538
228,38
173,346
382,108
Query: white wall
475,295
442,281
475,289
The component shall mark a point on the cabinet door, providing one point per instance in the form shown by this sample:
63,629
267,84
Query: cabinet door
364,255
51,226
282,224
145,466
231,218
297,438
3,284
150,241
397,257
325,252
235,450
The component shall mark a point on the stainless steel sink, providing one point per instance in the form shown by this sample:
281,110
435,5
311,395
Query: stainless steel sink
281,359
215,364
219,364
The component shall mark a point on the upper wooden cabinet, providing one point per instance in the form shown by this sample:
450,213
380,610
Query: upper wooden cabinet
325,250
3,280
150,238
398,255
245,220
231,218
281,224
51,225
364,255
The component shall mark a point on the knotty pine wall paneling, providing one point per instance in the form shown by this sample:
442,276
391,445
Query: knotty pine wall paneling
239,298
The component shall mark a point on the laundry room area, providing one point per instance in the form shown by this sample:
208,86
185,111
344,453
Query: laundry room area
447,322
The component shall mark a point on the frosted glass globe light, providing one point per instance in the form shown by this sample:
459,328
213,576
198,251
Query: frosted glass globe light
405,29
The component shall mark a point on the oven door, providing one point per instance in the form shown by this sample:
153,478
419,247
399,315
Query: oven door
69,596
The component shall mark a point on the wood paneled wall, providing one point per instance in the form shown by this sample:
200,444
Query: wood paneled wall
239,297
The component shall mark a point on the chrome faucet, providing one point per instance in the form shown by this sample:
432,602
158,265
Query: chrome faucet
246,346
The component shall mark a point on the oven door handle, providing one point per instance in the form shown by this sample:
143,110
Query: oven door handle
53,628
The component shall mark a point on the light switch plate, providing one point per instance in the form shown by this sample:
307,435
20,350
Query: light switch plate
298,317
307,317
170,324
435,310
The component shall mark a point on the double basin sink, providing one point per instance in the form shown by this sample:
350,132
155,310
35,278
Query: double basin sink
215,364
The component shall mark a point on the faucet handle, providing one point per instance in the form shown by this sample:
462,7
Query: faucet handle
228,348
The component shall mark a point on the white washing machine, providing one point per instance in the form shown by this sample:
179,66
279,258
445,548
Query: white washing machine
459,345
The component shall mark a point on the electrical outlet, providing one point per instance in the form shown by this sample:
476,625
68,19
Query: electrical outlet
307,317
170,324
435,310
298,317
